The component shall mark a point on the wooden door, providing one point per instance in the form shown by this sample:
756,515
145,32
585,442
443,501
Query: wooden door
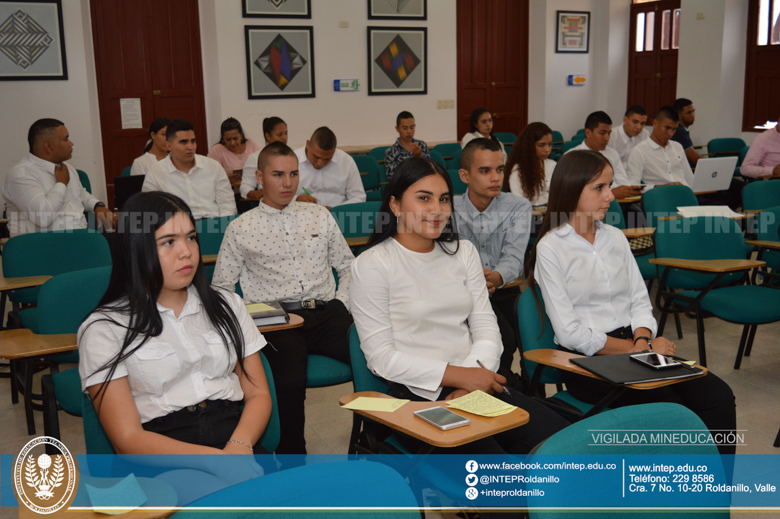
147,50
762,74
652,59
493,62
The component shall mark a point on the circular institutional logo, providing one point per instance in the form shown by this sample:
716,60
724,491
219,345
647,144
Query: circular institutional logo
45,483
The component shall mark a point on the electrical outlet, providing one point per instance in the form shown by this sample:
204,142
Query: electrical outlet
344,24
439,104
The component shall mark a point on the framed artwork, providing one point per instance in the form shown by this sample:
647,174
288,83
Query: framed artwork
572,31
397,60
277,8
32,42
397,10
279,61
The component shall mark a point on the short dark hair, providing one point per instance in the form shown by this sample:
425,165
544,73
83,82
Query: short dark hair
403,115
275,149
681,104
324,138
474,145
176,126
596,118
635,109
41,129
667,112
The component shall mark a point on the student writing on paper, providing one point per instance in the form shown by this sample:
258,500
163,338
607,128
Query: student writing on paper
420,303
596,299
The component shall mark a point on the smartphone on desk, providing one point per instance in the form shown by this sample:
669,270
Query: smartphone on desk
442,418
655,361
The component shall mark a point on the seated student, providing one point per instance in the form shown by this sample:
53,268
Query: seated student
406,146
627,135
763,158
422,310
274,129
498,225
155,149
660,161
198,180
232,151
168,361
43,192
285,250
530,166
686,111
481,126
598,127
330,176
596,299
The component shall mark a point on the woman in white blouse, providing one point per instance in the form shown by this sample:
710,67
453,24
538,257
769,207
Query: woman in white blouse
596,299
420,304
156,149
167,360
481,126
530,166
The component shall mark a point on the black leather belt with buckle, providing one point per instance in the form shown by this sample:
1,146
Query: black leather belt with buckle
308,304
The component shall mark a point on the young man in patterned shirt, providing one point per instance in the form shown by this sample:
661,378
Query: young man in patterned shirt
406,146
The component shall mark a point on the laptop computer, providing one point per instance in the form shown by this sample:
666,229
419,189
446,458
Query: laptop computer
714,174
125,187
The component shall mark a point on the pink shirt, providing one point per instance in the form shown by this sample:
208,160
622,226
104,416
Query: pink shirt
229,160
763,156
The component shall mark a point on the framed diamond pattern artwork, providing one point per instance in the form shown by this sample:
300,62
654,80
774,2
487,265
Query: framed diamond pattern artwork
397,10
277,8
279,62
397,60
32,42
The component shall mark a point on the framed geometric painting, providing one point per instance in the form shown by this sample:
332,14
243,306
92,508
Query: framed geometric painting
279,61
397,10
32,42
572,31
397,60
277,8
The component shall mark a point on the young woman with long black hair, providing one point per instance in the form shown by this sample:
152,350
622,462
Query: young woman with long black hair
156,148
529,165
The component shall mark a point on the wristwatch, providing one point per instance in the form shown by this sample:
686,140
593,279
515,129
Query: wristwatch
649,342
99,204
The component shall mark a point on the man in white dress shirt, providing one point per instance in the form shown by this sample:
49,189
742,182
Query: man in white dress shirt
330,176
598,128
285,251
660,161
627,135
198,180
43,192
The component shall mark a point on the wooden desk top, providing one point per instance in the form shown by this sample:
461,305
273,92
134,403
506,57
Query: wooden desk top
357,241
296,321
22,282
539,212
726,265
516,283
774,245
403,420
209,259
735,218
22,343
366,149
561,360
639,232
630,199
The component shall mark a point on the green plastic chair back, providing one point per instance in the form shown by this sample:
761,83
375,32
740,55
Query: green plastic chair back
362,378
569,145
126,171
458,186
66,299
454,162
742,154
557,137
211,231
370,166
614,216
761,194
530,328
84,178
506,137
448,149
664,200
769,230
436,157
378,153
356,220
727,146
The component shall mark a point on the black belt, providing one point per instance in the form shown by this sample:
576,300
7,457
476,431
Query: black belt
308,304
212,404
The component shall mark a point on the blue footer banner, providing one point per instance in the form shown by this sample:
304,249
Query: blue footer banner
391,482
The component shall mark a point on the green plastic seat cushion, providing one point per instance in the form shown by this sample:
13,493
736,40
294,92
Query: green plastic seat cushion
746,304
324,371
67,389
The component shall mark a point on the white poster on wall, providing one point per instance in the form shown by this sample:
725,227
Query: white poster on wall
131,113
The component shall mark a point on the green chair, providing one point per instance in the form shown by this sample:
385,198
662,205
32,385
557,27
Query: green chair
369,175
731,146
436,157
85,181
448,150
126,171
356,220
557,140
768,222
704,293
761,194
508,149
211,231
663,201
569,145
742,154
323,371
458,186
454,162
378,153
382,178
506,137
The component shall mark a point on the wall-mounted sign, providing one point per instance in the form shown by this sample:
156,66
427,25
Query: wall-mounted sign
576,80
346,85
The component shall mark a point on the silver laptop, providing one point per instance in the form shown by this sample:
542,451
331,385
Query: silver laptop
714,174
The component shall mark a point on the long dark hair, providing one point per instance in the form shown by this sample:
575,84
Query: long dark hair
475,119
269,123
136,280
231,123
157,125
523,155
574,171
409,172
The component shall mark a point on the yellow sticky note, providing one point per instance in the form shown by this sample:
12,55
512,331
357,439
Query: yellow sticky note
689,362
258,307
364,403
480,403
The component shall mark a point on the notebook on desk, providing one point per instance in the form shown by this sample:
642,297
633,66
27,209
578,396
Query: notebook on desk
714,174
265,314
621,370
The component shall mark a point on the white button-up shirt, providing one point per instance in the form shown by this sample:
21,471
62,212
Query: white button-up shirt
144,164
590,290
337,183
37,202
416,313
206,188
619,177
653,165
186,364
248,175
285,255
623,144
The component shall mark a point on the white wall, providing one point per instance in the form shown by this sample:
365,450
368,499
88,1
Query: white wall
356,118
73,102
